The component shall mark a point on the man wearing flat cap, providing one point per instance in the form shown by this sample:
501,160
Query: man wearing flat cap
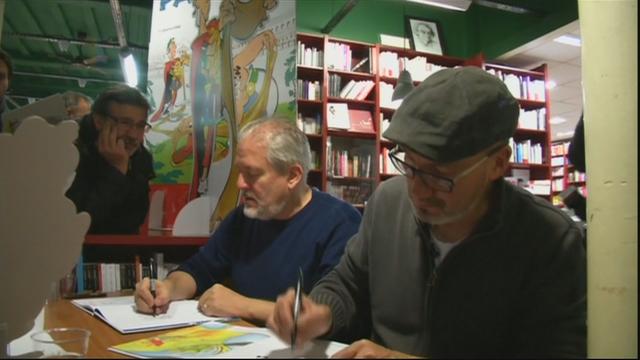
450,259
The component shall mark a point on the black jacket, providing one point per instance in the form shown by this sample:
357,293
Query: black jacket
516,288
117,203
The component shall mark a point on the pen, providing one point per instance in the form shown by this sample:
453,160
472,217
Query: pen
152,286
297,304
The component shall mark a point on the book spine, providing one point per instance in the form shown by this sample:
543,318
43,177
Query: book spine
80,275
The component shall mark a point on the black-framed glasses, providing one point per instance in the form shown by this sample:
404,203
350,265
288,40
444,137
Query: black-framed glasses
129,124
437,182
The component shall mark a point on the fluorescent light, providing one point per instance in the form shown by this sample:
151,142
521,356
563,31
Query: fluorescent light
458,5
568,40
557,120
129,68
551,84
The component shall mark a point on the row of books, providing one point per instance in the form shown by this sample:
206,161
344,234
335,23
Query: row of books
340,116
353,89
576,176
536,187
560,149
520,86
347,163
308,90
557,185
533,119
109,277
525,152
386,166
386,92
315,160
557,161
419,67
340,57
309,124
309,56
357,194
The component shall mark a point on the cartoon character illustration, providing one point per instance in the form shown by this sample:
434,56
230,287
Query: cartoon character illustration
173,79
225,95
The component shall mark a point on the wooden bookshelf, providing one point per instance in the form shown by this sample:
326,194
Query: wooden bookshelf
384,66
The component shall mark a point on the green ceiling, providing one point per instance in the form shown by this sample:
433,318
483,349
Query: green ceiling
32,29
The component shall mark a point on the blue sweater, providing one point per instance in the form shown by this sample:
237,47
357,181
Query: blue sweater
262,257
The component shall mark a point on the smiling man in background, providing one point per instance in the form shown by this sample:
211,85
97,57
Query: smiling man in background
112,177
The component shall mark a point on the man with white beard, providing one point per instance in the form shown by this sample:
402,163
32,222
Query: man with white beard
281,225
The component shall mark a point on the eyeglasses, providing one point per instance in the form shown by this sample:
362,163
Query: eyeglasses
437,182
128,124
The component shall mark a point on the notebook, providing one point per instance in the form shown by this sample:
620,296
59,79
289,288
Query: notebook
220,340
120,313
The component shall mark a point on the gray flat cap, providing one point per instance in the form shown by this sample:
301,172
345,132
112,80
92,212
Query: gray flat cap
454,114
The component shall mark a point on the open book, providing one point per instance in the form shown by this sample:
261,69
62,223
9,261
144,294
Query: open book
121,314
223,341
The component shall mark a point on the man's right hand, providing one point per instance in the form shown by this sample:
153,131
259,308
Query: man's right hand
145,301
314,319
112,148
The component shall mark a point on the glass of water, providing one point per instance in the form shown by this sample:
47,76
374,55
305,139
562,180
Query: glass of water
61,342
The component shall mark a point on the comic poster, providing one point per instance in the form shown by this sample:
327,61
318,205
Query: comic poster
215,66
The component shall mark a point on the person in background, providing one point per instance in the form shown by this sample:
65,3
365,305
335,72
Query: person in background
572,197
282,225
451,260
78,105
112,177
6,73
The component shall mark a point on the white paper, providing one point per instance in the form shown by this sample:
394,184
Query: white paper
121,314
24,344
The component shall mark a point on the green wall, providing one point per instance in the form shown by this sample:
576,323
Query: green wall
464,34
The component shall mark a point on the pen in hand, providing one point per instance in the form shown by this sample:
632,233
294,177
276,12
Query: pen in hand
152,283
297,304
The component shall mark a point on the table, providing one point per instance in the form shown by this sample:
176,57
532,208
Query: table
63,313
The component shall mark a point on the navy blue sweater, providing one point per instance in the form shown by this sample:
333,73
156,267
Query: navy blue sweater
261,258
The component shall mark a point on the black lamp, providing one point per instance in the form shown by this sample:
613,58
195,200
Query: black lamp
405,83
403,87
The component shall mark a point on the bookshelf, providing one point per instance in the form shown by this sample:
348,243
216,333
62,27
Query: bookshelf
345,156
531,160
531,143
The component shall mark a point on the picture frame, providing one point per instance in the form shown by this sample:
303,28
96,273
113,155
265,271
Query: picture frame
425,35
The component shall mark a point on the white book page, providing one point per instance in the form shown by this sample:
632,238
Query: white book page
89,305
273,347
124,317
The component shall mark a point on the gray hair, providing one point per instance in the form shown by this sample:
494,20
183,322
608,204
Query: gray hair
286,144
72,98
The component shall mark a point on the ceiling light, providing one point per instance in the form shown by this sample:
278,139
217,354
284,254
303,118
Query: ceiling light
129,67
557,120
458,5
568,40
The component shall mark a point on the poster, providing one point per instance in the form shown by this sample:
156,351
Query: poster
215,66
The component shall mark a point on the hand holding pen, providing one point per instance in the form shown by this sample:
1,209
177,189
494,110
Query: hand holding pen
296,319
153,275
297,305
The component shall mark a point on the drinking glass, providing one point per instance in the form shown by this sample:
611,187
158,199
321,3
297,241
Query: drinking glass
62,343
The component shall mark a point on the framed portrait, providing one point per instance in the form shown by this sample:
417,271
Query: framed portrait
425,35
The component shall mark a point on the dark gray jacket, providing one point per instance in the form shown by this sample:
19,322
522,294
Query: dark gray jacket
515,288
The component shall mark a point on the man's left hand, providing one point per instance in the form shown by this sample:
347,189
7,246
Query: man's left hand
219,300
368,349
